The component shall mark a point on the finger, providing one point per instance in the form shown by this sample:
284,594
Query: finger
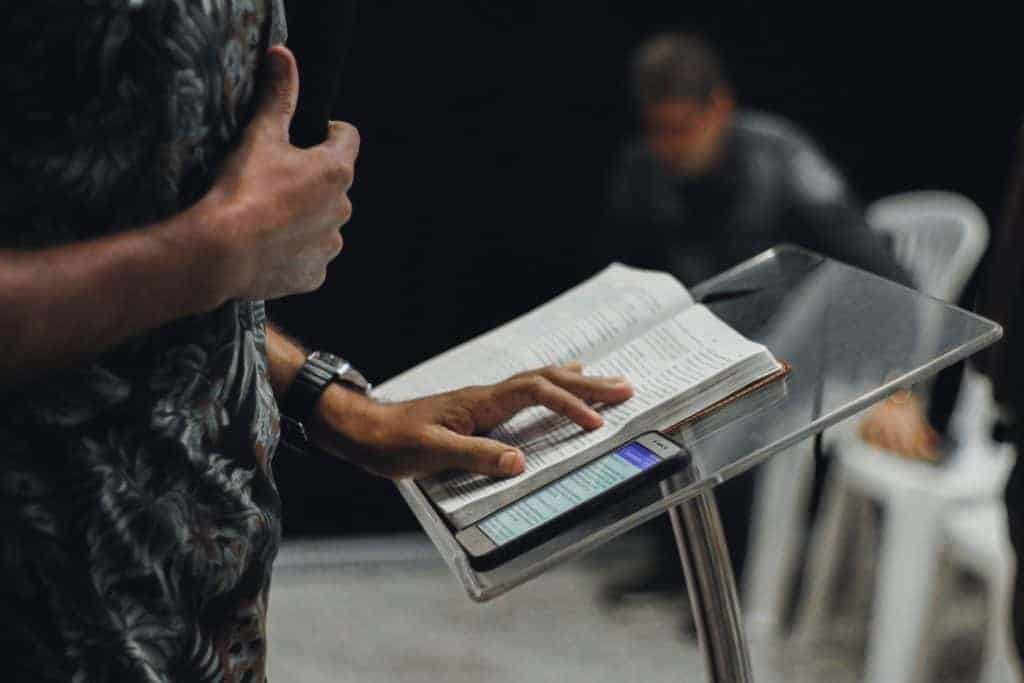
280,93
342,142
591,389
516,394
477,454
867,432
333,245
341,213
922,452
927,444
311,281
864,429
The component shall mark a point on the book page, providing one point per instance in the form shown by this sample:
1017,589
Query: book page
581,324
671,360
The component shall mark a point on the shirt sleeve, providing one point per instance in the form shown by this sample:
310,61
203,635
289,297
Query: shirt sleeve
116,113
77,112
831,221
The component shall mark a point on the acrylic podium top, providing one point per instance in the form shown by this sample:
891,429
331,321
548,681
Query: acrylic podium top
851,338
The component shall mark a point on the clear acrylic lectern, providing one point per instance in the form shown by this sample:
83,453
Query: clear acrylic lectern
851,338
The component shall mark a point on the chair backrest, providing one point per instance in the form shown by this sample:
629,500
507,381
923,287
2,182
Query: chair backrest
938,236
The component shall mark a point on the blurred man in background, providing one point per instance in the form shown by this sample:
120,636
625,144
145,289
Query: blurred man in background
707,185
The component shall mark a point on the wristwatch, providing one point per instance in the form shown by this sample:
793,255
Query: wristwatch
320,370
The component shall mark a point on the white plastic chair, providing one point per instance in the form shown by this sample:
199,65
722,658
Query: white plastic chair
978,537
956,508
939,237
778,518
927,509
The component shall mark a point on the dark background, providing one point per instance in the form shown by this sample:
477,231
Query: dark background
488,132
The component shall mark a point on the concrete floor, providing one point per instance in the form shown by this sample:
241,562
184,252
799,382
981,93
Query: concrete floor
388,610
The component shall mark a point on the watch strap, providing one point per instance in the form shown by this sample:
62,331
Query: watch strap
309,383
293,435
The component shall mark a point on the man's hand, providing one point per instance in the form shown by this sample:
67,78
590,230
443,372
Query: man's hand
422,437
273,216
899,425
267,228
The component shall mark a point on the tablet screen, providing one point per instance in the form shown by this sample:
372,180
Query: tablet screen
571,491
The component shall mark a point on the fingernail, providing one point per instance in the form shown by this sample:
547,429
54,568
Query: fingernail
511,462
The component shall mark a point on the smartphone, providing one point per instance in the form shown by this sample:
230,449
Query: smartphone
540,515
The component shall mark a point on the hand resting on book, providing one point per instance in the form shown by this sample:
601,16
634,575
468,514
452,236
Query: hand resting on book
679,358
428,435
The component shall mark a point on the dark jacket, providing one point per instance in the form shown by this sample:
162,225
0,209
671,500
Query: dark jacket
772,186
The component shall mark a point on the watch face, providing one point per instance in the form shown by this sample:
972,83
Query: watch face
343,370
328,358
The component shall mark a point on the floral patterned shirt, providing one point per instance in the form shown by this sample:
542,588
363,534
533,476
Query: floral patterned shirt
139,512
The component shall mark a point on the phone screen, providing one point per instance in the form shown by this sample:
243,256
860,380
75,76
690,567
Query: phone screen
558,498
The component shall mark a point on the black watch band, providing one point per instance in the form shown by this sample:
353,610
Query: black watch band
310,382
319,370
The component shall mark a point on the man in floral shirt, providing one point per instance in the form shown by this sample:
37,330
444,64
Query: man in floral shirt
150,200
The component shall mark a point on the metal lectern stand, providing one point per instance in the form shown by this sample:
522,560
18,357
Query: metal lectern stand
711,588
851,339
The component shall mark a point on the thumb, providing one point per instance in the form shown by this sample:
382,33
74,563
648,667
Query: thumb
280,92
478,454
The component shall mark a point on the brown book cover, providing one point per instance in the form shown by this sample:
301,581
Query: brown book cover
731,398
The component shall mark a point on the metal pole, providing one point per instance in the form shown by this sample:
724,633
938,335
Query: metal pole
712,589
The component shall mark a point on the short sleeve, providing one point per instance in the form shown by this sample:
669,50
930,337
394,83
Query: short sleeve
118,112
78,116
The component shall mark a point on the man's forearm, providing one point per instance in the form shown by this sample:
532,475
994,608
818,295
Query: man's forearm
62,305
839,229
340,418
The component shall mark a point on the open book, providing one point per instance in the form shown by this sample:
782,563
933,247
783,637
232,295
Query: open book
641,324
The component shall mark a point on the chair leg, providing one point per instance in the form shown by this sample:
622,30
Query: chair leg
865,535
778,519
1001,663
824,557
908,566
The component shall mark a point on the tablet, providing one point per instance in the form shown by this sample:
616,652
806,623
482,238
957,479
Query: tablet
540,515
